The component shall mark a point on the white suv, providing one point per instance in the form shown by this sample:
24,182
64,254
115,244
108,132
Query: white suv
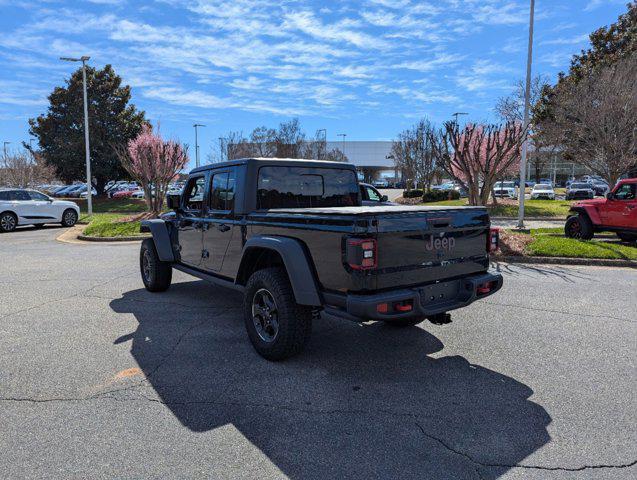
28,207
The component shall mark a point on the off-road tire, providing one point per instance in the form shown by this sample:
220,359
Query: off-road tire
8,222
405,322
627,237
579,226
69,218
294,321
156,274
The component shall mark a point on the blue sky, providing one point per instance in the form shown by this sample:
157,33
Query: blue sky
366,68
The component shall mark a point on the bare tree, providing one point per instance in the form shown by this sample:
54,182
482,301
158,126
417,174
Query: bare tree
24,170
595,120
478,155
413,153
288,141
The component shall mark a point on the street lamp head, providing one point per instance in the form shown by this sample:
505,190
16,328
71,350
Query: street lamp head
71,59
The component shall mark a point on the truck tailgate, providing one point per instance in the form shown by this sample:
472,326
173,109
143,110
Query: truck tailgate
427,245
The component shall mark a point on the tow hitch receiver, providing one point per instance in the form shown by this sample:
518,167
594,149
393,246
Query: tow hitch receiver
440,319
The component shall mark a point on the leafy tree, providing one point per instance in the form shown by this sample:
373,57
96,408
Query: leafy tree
594,101
112,122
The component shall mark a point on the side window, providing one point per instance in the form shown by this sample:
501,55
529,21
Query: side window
194,193
4,196
372,194
222,190
38,196
626,192
20,195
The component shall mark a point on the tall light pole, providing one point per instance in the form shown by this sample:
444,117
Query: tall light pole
87,149
525,126
343,150
196,125
455,115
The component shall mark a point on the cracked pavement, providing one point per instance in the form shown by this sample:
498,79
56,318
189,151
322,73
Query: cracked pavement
101,379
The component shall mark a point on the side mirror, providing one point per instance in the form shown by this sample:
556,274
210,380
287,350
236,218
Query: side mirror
173,201
609,195
384,198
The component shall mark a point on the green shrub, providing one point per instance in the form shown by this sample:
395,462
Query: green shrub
440,195
412,193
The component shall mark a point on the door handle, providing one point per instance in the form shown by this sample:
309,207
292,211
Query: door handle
223,227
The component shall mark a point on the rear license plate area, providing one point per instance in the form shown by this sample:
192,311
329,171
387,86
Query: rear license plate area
439,293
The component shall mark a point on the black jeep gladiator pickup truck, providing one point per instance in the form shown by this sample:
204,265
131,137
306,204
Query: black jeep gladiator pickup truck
293,236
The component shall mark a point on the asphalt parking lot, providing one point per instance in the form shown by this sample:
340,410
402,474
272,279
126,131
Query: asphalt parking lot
101,379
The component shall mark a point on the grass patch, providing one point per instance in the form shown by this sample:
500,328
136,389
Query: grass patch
550,245
532,208
107,225
113,205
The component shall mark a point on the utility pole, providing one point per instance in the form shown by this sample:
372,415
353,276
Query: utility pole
525,126
87,149
197,143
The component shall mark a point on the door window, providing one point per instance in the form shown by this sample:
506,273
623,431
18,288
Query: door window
372,194
625,192
193,196
222,190
37,196
19,195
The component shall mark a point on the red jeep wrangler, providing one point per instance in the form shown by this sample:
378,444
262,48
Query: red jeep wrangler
615,213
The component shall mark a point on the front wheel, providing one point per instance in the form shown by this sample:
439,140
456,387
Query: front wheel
277,326
69,218
8,222
579,227
156,274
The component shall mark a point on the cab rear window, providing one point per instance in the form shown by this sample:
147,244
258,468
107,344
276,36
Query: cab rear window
306,187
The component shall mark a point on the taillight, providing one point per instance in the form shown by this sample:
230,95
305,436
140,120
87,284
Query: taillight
493,240
361,253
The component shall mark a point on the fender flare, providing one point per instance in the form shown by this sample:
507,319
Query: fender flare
161,238
591,213
297,264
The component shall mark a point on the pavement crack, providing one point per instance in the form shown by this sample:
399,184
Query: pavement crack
518,465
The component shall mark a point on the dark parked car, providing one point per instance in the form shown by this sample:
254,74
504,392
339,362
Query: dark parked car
579,191
293,236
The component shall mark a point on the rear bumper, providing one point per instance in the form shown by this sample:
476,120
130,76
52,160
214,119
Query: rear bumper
426,300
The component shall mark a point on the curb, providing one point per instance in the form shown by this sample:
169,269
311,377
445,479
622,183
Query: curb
533,219
113,239
595,262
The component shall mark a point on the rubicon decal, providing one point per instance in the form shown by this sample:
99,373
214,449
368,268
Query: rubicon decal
440,243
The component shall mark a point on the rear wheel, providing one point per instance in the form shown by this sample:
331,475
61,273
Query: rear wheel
69,218
156,274
277,326
580,227
8,222
627,237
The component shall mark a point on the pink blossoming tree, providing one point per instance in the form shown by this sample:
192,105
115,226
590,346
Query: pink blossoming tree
154,163
479,155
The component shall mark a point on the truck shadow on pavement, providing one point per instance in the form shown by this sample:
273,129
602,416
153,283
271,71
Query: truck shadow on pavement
362,401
